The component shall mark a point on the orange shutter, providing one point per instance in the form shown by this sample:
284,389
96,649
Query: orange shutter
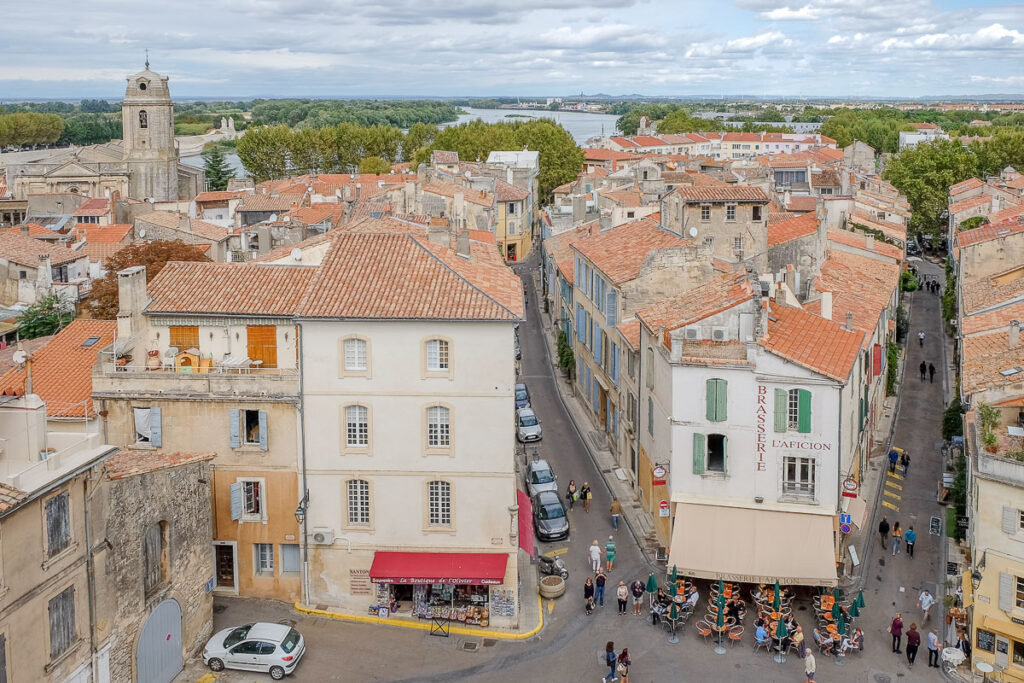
185,337
263,344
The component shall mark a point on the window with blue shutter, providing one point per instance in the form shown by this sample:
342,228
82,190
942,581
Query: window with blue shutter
613,362
236,501
598,346
615,413
156,428
581,328
264,437
576,271
234,428
611,308
566,292
596,393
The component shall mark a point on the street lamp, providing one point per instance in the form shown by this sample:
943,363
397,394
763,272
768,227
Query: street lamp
300,512
976,579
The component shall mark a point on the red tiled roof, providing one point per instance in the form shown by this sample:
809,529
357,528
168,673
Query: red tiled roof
229,288
792,228
713,297
101,253
983,293
478,197
802,203
219,196
10,497
888,228
269,202
103,234
62,370
925,126
860,285
507,192
97,206
185,225
990,231
721,193
26,251
624,142
965,185
811,341
128,462
985,357
34,230
560,247
620,252
859,241
649,141
970,203
443,156
1007,213
992,319
630,331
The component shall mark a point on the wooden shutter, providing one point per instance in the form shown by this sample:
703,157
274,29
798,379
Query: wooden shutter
262,344
156,427
804,403
699,442
185,337
1010,520
58,524
781,410
234,428
1006,591
62,622
236,500
264,437
598,345
3,658
725,453
611,308
710,399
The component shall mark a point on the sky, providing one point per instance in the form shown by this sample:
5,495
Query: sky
423,48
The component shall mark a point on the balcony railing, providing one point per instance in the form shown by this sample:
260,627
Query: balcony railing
232,366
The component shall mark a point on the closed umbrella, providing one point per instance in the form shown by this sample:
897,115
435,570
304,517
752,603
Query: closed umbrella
836,611
854,609
777,601
673,611
860,600
674,575
720,616
841,624
672,589
652,584
780,629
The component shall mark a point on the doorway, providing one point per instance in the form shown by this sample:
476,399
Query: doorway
510,250
226,564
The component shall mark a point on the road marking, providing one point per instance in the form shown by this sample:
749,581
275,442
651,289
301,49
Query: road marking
557,551
207,678
891,494
894,485
896,476
889,505
551,606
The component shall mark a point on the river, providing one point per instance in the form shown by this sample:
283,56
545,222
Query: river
580,125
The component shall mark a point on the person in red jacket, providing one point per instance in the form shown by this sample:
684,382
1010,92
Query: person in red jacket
913,642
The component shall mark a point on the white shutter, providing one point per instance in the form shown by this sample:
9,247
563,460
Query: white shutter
234,429
263,431
1010,520
1006,591
236,500
156,429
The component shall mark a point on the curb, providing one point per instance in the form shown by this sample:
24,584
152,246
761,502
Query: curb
421,626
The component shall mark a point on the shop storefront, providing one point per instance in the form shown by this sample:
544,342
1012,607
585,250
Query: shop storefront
465,588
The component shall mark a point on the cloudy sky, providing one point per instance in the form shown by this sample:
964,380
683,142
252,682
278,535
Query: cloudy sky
343,48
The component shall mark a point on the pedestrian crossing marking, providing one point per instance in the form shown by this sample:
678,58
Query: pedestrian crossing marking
894,485
889,505
896,476
892,495
556,552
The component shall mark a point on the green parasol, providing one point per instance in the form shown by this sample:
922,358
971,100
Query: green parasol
836,611
720,616
837,594
780,629
854,609
674,575
673,612
777,601
672,590
841,624
652,584
860,600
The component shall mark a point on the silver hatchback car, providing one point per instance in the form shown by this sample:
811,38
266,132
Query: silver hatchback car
273,648
527,426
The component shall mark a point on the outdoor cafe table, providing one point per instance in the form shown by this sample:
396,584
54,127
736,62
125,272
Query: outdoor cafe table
726,625
673,623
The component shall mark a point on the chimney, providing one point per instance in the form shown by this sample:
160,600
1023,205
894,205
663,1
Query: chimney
24,230
869,242
439,234
826,305
183,223
462,244
1014,333
44,275
132,298
791,278
780,296
459,207
605,222
849,321
579,209
409,195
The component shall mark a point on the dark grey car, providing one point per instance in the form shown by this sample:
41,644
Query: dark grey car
549,519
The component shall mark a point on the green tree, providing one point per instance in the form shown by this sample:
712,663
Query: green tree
264,152
417,137
46,316
218,170
374,165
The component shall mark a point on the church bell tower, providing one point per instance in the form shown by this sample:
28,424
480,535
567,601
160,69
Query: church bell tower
147,120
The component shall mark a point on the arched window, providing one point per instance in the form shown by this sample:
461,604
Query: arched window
143,119
155,556
357,426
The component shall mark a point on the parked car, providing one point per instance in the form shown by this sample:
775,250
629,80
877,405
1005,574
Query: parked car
273,648
549,519
913,248
522,396
519,351
540,477
527,426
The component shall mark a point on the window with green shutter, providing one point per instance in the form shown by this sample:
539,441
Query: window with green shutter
793,410
781,410
804,421
698,454
717,453
717,395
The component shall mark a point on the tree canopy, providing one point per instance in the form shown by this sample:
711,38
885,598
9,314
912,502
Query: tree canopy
103,300
29,128
218,170
46,316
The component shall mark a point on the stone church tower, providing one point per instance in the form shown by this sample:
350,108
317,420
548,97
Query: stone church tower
147,118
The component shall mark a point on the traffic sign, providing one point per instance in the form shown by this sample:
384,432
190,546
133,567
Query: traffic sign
663,509
845,518
845,528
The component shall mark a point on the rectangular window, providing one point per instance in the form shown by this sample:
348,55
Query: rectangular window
798,476
355,354
437,355
264,560
439,503
252,498
262,345
1019,594
631,364
756,213
58,523
1020,520
184,337
511,209
730,212
793,411
143,432
716,399
438,427
705,212
154,556
251,426
357,427
737,243
358,502
290,558
62,622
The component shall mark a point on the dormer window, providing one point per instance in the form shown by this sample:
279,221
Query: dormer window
142,86
143,116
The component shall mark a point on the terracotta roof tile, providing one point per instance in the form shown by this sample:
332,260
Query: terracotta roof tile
443,156
229,288
713,297
62,370
860,285
799,226
185,225
560,247
34,230
220,196
97,206
103,234
10,497
630,331
721,193
507,192
624,142
887,228
801,203
128,462
1009,212
620,252
269,202
26,251
101,253
991,231
649,141
970,203
859,241
983,293
992,319
812,342
478,197
986,356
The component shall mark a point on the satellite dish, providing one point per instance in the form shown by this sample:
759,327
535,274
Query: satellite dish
19,357
296,254
142,233
273,217
693,232
468,174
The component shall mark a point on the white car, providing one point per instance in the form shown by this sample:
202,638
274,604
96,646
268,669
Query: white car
274,648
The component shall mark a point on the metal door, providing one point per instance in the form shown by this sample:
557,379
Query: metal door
158,653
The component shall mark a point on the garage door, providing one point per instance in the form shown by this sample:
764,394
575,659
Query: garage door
158,655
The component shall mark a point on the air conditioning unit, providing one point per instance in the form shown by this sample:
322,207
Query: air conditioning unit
692,332
719,334
323,535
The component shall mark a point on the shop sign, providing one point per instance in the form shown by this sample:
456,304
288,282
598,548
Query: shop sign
663,508
850,487
359,582
1017,620
413,580
658,474
761,430
802,445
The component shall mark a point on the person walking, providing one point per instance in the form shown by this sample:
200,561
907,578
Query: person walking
924,369
810,666
599,582
894,457
913,642
911,538
905,463
925,601
622,595
609,553
625,661
571,494
933,649
595,556
920,338
897,537
616,510
637,589
883,531
588,593
931,373
896,630
585,496
610,659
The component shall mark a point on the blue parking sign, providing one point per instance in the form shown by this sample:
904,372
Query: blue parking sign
845,518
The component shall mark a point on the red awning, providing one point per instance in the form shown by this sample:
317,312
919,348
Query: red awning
525,522
454,568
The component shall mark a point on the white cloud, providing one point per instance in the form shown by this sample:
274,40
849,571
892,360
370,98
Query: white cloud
1007,80
751,43
786,13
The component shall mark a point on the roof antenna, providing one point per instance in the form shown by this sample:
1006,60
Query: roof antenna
147,59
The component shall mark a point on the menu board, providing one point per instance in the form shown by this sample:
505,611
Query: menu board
986,640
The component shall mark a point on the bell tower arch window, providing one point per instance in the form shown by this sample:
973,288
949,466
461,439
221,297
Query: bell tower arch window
143,119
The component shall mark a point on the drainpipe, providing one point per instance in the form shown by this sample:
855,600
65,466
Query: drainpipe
304,499
90,578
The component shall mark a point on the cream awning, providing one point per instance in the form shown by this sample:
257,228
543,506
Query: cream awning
753,546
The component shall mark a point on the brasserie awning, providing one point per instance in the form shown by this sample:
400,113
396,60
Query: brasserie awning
753,546
454,568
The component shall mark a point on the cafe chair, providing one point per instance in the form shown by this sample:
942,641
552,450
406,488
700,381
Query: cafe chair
703,629
762,643
735,635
